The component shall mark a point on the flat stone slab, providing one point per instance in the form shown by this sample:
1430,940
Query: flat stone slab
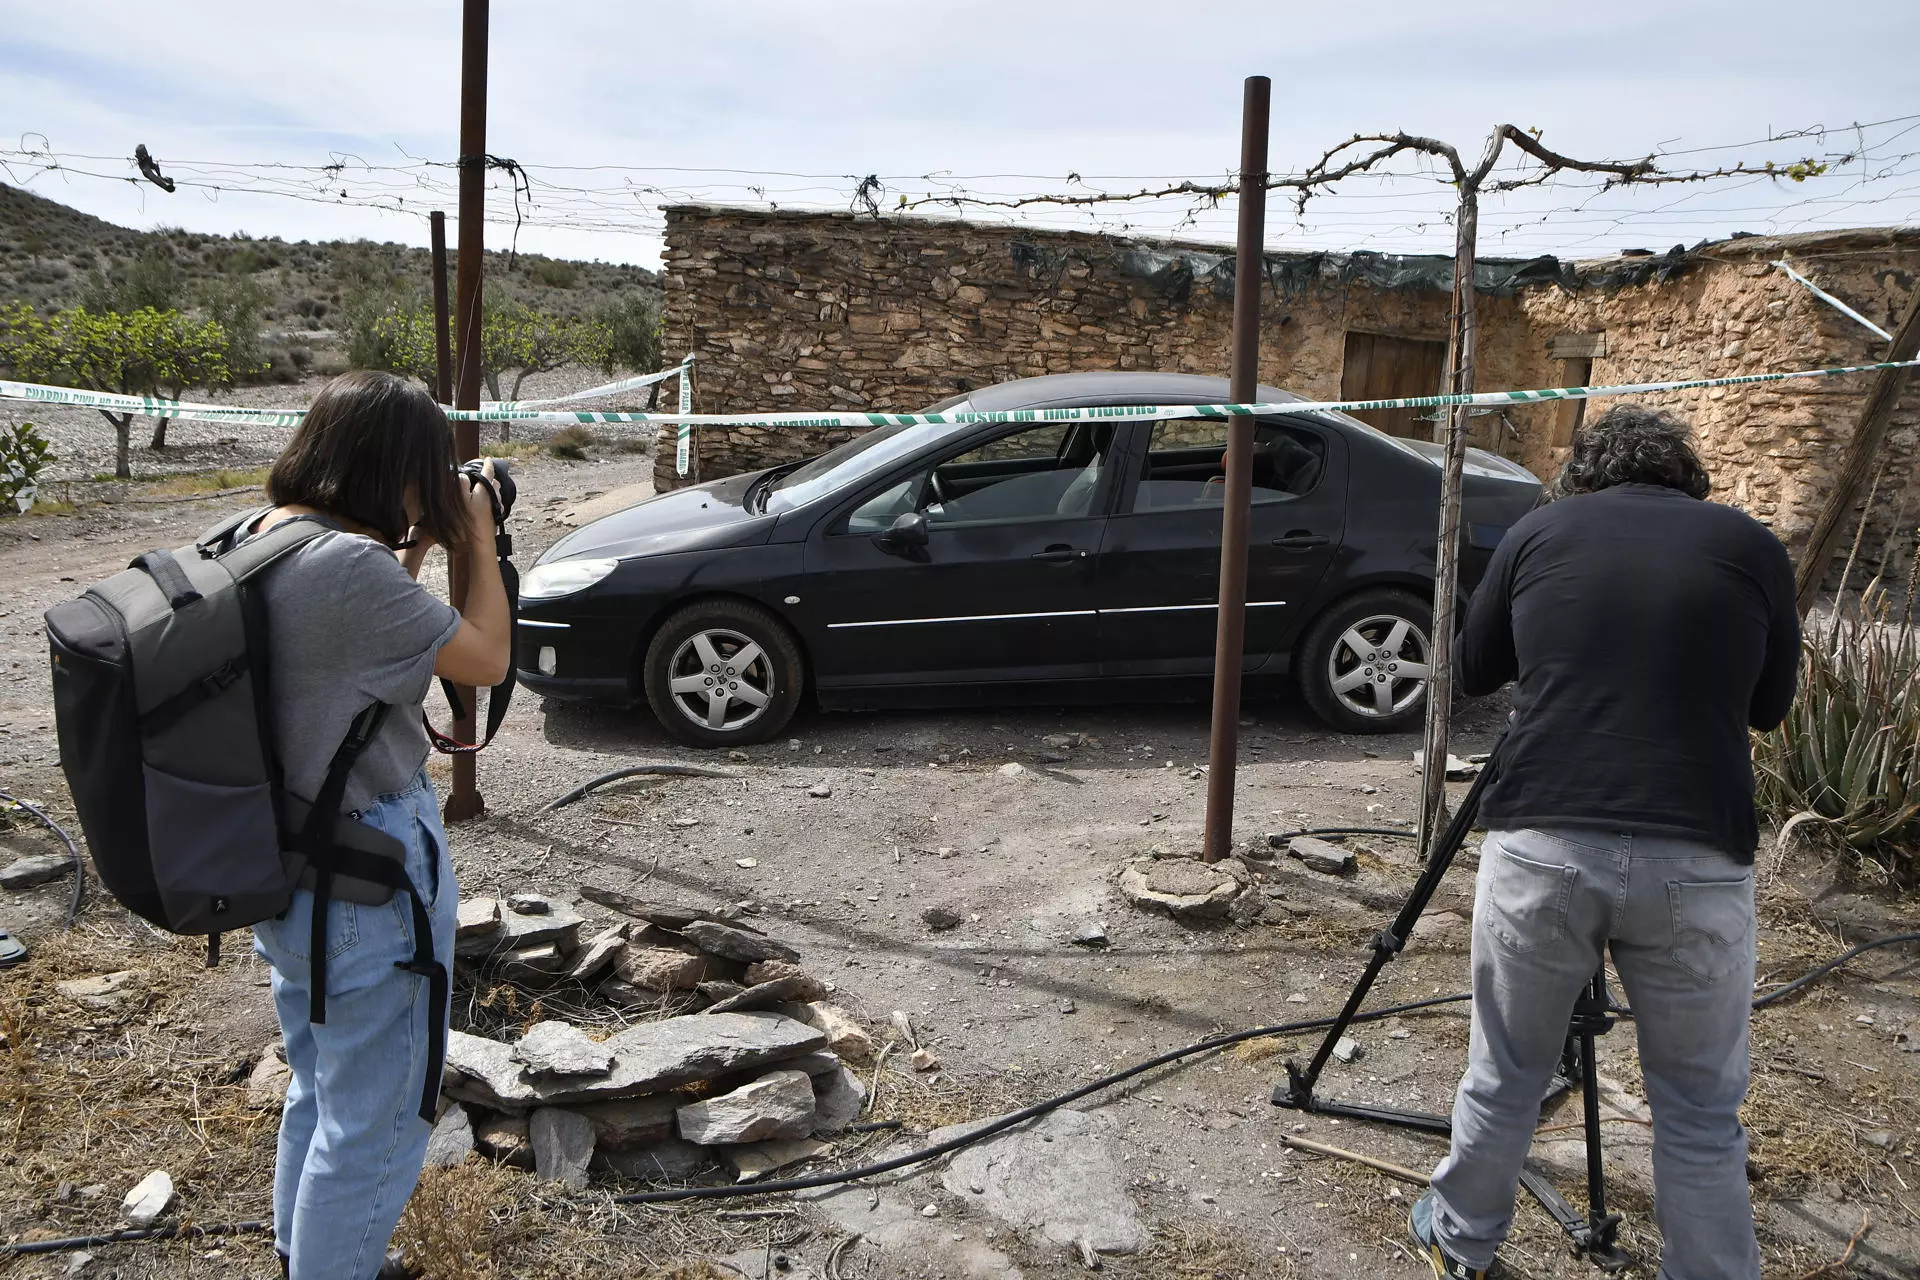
149,1199
1060,1174
1319,855
665,915
650,1058
667,969
1185,886
555,1048
632,1123
451,1141
598,954
25,873
907,1242
106,992
267,1086
838,1099
559,925
476,918
562,1146
795,988
778,1105
735,943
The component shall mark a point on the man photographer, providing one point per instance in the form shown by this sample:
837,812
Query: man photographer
1646,631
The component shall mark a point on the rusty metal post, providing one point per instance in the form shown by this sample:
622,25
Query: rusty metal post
464,800
442,337
1244,382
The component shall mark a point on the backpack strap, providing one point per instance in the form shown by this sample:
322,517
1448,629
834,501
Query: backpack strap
329,859
315,840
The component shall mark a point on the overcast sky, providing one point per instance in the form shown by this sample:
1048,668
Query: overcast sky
906,88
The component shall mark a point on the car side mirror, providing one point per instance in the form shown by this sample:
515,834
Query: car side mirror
907,535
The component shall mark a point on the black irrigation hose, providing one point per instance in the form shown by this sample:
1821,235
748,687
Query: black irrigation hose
79,868
952,1144
139,1235
1343,831
1822,971
669,770
1018,1117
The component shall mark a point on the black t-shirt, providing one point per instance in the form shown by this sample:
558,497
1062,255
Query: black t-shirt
1646,631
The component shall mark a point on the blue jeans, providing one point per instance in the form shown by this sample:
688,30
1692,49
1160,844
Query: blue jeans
1679,917
351,1137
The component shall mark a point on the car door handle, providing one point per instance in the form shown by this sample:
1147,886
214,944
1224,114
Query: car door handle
1301,541
1060,555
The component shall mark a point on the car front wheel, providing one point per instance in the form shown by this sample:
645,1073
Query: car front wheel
723,672
1364,665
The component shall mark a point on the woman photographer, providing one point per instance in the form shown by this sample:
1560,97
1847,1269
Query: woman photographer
349,626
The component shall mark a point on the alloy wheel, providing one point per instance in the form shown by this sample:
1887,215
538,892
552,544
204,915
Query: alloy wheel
721,679
1379,666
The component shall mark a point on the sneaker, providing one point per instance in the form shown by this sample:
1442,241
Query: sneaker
1420,1227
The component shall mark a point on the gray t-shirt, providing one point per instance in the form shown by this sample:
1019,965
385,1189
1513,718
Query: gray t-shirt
347,627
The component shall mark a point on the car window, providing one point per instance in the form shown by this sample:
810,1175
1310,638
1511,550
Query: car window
1038,473
847,463
1186,464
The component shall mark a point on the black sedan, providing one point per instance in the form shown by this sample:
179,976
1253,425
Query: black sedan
939,564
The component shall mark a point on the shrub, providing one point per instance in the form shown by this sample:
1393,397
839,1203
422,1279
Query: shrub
571,442
556,274
24,454
1846,762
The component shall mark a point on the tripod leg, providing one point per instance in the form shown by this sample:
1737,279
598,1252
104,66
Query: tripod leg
1590,1019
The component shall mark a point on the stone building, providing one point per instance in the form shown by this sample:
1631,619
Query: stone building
796,311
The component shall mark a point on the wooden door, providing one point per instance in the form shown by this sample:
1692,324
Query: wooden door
1381,367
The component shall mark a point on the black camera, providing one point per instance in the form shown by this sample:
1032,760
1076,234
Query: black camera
474,472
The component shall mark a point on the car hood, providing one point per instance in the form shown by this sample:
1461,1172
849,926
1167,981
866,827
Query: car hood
696,518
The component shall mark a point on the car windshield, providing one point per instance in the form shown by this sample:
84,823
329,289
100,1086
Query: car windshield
848,463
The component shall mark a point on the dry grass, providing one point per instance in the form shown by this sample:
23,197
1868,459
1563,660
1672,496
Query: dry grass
460,1221
90,1097
206,482
1264,1049
1203,1251
922,1102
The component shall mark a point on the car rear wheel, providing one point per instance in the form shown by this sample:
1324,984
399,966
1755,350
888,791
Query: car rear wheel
1364,665
723,672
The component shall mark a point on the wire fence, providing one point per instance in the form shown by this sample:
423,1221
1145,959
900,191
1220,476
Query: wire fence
1820,179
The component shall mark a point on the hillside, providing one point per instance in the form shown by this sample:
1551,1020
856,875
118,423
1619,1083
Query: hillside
52,256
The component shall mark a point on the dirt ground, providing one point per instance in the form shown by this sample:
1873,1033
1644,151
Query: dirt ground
920,815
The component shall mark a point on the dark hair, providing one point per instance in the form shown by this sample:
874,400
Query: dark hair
1632,445
368,438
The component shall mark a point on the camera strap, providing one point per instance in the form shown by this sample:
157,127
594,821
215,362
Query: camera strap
501,695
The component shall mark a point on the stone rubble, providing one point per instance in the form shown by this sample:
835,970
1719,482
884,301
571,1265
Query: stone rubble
745,1070
149,1198
36,869
1319,855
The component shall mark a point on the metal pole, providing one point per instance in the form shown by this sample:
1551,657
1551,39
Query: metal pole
442,338
1244,381
464,801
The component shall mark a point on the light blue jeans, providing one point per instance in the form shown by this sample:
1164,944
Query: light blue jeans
351,1137
1679,917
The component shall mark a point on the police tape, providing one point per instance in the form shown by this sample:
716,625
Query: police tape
155,407
594,393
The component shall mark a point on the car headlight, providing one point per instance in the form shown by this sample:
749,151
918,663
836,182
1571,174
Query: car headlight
563,578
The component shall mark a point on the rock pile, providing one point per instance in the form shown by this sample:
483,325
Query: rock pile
748,1082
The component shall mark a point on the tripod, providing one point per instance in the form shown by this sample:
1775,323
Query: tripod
1593,1016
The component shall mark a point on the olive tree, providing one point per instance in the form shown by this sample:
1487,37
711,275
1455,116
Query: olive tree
143,352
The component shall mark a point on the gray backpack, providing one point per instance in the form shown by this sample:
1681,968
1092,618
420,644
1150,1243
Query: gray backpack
166,738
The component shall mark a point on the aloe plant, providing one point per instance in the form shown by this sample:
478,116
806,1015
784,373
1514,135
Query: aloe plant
1846,762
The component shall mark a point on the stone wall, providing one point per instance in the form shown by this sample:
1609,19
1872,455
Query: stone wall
795,311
